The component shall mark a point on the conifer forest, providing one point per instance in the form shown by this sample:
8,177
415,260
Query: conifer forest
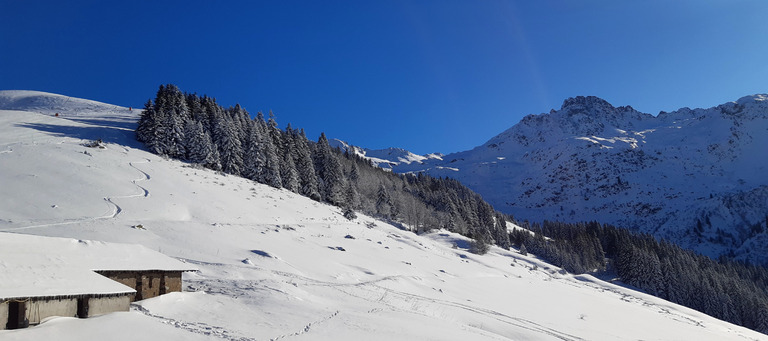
197,130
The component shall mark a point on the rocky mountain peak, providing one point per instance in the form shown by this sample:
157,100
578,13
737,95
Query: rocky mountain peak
579,103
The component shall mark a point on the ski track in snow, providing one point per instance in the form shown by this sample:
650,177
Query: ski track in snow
193,327
376,294
144,192
395,300
417,301
116,209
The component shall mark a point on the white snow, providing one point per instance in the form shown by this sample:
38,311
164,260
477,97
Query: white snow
34,266
274,265
387,158
675,168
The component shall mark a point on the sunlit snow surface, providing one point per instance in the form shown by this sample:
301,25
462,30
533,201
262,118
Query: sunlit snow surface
271,262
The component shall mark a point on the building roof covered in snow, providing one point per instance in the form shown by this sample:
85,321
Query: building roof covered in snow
35,266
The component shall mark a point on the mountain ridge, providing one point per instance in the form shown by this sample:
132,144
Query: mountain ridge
274,264
661,174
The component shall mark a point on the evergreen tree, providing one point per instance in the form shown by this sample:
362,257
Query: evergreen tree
254,160
149,128
200,148
329,172
230,147
523,250
270,173
383,202
288,172
289,175
308,182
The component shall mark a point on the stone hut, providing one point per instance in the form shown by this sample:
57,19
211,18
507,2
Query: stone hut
41,277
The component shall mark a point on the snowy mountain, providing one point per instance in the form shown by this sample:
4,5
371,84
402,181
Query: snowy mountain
276,265
47,103
694,176
388,158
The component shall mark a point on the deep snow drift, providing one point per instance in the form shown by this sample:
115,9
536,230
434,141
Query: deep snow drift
274,265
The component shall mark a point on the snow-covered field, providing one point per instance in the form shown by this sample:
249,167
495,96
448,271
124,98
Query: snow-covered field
275,265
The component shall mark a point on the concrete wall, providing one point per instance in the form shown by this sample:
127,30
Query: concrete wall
106,305
38,310
3,315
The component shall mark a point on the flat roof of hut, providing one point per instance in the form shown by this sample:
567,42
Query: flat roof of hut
36,266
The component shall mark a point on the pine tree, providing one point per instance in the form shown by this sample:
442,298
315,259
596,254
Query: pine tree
351,197
523,249
230,147
200,148
289,175
308,182
480,244
329,172
150,128
383,202
254,160
174,140
288,172
270,172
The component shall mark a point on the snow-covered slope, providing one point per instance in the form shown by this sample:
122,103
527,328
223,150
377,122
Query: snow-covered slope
660,174
274,265
48,103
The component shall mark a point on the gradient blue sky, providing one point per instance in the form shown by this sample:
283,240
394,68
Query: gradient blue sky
428,76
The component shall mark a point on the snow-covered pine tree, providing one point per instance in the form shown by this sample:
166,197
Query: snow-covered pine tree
200,148
289,175
308,183
195,106
288,172
230,147
148,128
240,120
329,172
383,202
270,171
212,111
174,141
253,157
172,114
351,196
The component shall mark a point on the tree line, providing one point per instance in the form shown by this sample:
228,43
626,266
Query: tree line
727,290
198,130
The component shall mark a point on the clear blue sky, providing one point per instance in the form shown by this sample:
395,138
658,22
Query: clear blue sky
429,76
